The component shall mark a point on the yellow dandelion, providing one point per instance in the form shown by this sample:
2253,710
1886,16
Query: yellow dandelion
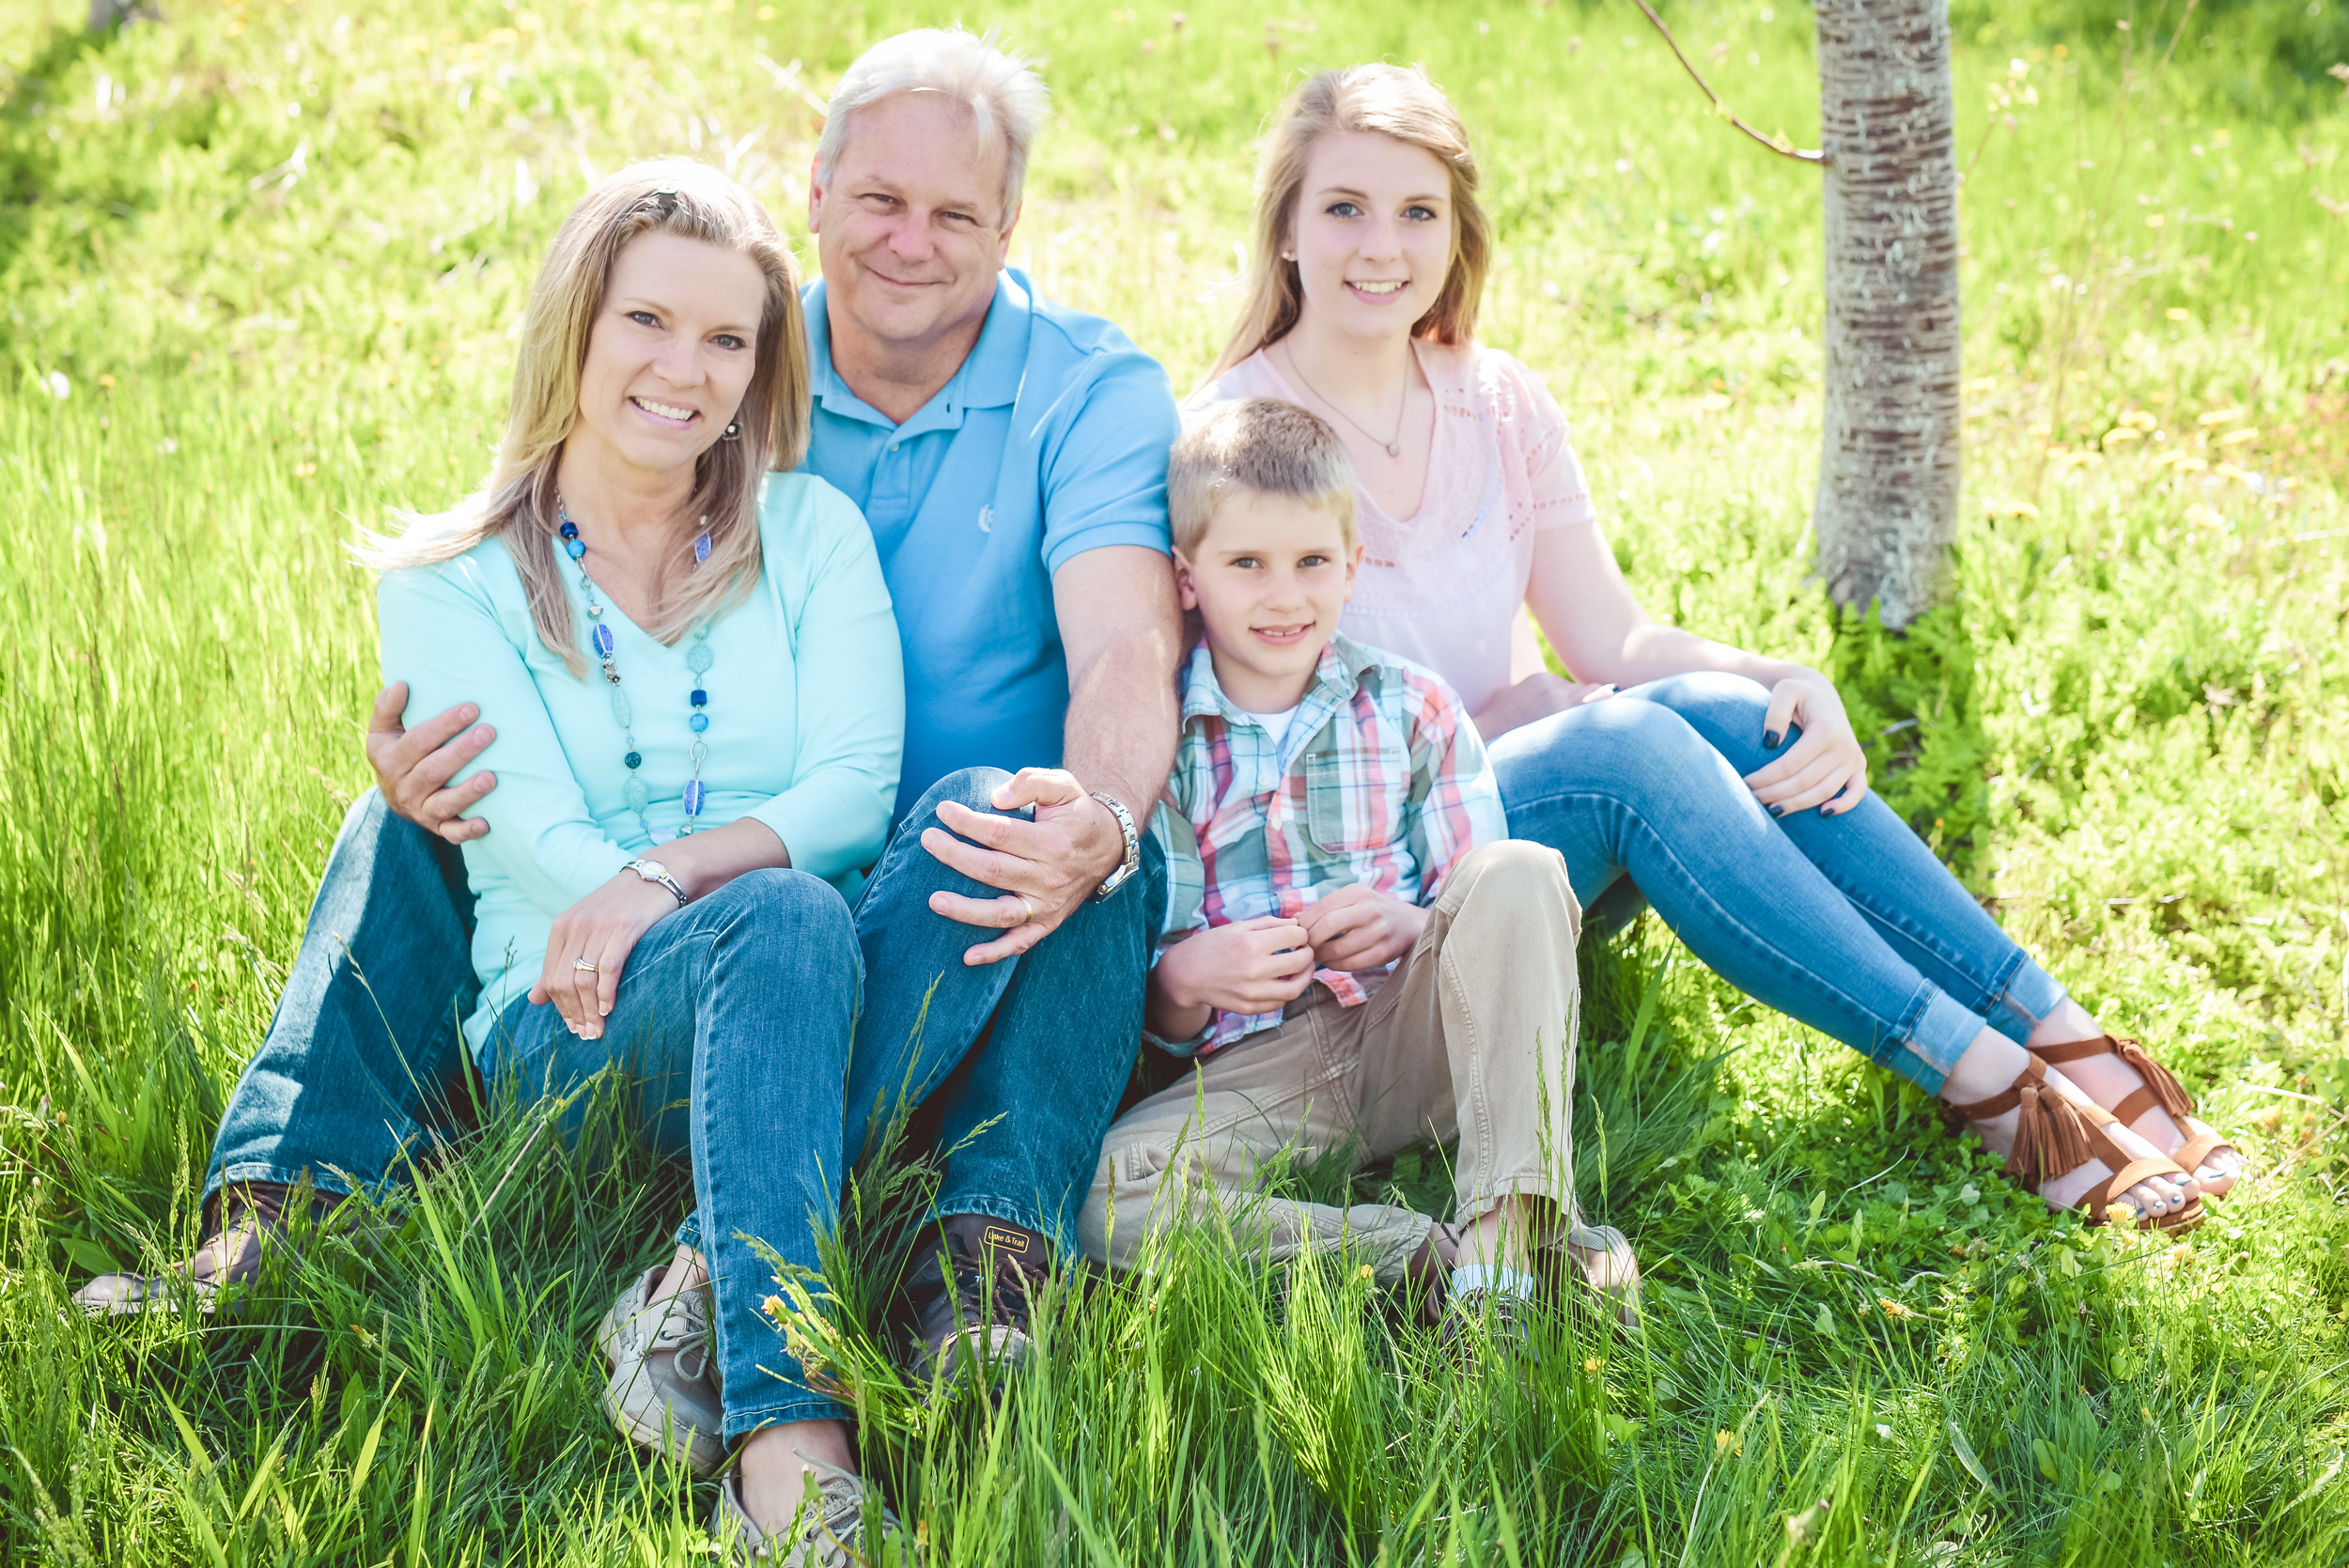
1979,385
2237,473
1728,1442
1364,1272
1894,1310
2009,509
106,381
2177,314
2140,419
1712,402
2121,434
2201,516
2219,416
1590,1365
2236,437
2152,219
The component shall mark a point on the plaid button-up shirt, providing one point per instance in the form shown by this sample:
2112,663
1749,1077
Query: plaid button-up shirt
1380,781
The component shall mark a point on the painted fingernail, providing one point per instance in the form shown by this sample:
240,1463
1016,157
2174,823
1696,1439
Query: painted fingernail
1771,738
1778,810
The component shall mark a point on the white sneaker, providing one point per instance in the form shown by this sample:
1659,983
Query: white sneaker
664,1391
828,1532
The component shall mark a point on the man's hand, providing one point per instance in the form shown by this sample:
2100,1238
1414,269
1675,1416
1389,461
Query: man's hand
1355,928
1248,967
1825,767
602,928
1046,867
414,768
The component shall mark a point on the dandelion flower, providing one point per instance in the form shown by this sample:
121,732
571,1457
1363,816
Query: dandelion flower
2176,313
2202,515
2121,434
2236,437
1592,1364
1894,1310
2218,416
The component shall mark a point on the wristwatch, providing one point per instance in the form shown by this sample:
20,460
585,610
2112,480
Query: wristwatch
653,871
1132,862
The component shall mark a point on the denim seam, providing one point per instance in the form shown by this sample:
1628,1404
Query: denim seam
250,1171
1806,971
1991,990
796,1407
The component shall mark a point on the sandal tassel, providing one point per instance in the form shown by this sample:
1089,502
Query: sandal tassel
2160,1079
2049,1138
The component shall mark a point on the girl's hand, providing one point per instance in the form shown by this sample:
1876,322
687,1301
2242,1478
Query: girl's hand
603,929
1249,966
1824,768
1355,928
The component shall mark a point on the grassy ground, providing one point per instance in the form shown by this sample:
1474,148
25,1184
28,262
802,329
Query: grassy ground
258,270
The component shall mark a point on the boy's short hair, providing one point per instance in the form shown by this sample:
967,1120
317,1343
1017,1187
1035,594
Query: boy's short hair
1262,444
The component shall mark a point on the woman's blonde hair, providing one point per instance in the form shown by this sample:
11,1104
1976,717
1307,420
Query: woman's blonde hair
1392,102
662,195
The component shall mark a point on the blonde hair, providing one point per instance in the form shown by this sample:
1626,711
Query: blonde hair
1262,445
1003,93
1392,102
517,506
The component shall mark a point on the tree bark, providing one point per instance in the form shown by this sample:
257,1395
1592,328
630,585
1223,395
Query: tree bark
1887,511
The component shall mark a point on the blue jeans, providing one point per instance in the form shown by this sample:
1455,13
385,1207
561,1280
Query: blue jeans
364,1064
1846,923
1018,1061
732,1024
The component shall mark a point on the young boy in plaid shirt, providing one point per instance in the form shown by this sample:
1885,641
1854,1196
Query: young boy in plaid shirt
1356,954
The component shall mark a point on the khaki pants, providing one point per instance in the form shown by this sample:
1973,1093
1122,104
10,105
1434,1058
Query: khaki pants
1472,1035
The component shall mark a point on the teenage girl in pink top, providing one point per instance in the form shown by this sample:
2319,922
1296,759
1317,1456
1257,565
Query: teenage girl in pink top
1725,787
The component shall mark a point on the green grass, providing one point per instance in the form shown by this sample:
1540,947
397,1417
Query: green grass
276,252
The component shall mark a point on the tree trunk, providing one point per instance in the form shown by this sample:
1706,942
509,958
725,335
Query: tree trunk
1886,512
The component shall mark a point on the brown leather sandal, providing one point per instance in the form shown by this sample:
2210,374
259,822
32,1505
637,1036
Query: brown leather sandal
2161,1088
2053,1138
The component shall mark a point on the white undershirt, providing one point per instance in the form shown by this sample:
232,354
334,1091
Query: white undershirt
1277,724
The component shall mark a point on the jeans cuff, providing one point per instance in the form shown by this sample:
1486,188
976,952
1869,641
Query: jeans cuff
796,1406
1938,1033
949,1204
2030,996
251,1171
688,1229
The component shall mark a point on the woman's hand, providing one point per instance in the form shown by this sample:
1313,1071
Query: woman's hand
1248,967
603,929
1355,928
1535,697
1824,769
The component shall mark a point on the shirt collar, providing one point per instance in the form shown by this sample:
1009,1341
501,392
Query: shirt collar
990,377
1339,671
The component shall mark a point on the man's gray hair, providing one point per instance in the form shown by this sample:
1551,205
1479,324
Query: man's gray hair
1003,94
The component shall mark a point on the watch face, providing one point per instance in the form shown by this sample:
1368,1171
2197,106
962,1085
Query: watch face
651,871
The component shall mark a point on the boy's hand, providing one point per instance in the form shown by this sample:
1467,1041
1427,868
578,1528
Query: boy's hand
1355,928
1250,966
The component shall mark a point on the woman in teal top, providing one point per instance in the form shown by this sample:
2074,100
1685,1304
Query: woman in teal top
693,674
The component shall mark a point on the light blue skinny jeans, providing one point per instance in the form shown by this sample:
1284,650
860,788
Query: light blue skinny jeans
1845,922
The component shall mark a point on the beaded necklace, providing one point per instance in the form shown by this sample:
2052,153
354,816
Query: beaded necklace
697,658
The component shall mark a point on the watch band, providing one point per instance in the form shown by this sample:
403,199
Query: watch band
1132,862
653,871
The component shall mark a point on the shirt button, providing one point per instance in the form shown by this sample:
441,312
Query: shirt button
892,446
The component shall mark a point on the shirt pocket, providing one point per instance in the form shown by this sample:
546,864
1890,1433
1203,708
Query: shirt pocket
1355,803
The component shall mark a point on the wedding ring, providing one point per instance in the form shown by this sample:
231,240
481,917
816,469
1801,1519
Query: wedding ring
1028,906
583,965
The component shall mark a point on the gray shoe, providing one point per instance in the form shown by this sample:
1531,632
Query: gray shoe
664,1392
1604,1261
253,1218
829,1531
1482,1324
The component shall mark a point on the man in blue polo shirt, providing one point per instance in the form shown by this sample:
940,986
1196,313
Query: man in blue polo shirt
1010,457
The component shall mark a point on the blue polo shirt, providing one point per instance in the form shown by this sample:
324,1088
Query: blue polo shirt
1051,441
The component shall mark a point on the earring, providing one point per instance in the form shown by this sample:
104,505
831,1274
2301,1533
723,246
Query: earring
732,431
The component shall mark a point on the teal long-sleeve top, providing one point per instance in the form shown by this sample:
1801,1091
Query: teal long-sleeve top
806,708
